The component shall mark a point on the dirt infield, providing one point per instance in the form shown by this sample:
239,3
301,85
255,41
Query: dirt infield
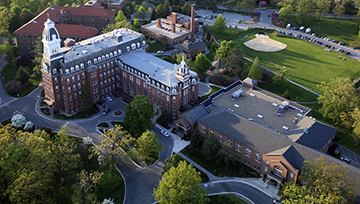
265,44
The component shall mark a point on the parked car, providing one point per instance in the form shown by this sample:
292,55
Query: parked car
109,98
106,111
348,53
160,52
165,133
345,159
275,201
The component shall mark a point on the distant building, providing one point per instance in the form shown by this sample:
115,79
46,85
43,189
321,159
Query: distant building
112,4
175,29
110,62
78,23
191,48
217,66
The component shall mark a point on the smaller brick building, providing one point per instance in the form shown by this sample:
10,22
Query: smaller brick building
191,48
175,28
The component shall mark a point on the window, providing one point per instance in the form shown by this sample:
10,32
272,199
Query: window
292,175
101,76
238,147
258,158
248,152
73,79
74,87
79,85
278,171
83,75
266,168
69,90
70,98
78,77
57,89
68,81
220,138
56,81
203,129
229,142
75,96
174,99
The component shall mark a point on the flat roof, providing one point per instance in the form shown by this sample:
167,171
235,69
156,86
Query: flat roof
157,69
260,108
98,44
166,24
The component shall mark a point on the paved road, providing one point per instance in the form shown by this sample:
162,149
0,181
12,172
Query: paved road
4,97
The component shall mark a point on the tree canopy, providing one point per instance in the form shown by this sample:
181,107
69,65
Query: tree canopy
138,115
211,146
255,70
327,184
180,185
219,24
201,64
148,146
224,50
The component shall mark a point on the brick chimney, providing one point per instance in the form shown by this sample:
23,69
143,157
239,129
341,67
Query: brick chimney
173,27
158,23
174,17
192,26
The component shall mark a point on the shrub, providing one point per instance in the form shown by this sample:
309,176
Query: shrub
234,79
256,13
46,129
18,121
13,87
28,126
262,4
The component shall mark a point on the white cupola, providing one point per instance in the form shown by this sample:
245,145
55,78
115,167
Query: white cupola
182,70
51,39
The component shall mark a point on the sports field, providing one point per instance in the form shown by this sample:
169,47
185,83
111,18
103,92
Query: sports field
307,63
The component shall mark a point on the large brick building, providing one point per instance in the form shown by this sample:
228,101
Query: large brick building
77,23
108,62
264,131
175,28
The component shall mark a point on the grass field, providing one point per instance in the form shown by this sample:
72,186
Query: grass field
307,64
236,168
154,47
225,198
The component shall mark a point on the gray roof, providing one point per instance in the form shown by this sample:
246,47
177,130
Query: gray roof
187,124
157,69
196,113
318,134
218,64
249,133
188,45
250,81
166,28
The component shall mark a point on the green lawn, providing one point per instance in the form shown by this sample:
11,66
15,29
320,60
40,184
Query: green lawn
340,30
9,73
213,90
235,169
154,47
307,64
225,199
103,125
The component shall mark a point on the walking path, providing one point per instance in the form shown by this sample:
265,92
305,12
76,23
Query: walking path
253,182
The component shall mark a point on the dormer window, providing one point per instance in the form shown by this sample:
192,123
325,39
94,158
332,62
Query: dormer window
54,71
119,51
67,71
128,49
77,67
82,66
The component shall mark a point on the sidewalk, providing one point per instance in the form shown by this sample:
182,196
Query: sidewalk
255,182
179,144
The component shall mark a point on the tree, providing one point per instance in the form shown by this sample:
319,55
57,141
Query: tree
120,16
234,61
246,4
117,25
167,8
255,70
136,23
85,187
145,6
179,57
219,24
110,179
356,124
262,4
172,161
10,53
6,16
201,64
339,97
186,9
279,76
13,87
324,184
148,146
305,10
287,9
28,126
287,94
211,146
180,185
127,11
224,154
138,115
22,75
323,7
339,8
18,121
38,50
164,118
224,49
196,140
109,149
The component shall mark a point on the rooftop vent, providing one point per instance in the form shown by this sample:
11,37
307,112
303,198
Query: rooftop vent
34,21
306,131
84,52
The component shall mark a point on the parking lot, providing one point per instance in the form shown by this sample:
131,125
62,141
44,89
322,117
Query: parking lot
208,17
345,152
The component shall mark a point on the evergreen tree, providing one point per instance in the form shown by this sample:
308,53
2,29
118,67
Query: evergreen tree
255,70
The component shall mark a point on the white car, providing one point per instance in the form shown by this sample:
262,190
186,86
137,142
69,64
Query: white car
160,52
165,133
109,98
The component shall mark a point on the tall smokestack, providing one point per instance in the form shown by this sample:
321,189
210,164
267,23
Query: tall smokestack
158,23
173,17
173,27
192,26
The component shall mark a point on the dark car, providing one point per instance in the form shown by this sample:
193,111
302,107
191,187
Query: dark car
345,159
106,111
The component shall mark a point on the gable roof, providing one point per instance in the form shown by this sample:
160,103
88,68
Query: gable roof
196,113
188,45
311,133
218,64
250,81
36,25
186,123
